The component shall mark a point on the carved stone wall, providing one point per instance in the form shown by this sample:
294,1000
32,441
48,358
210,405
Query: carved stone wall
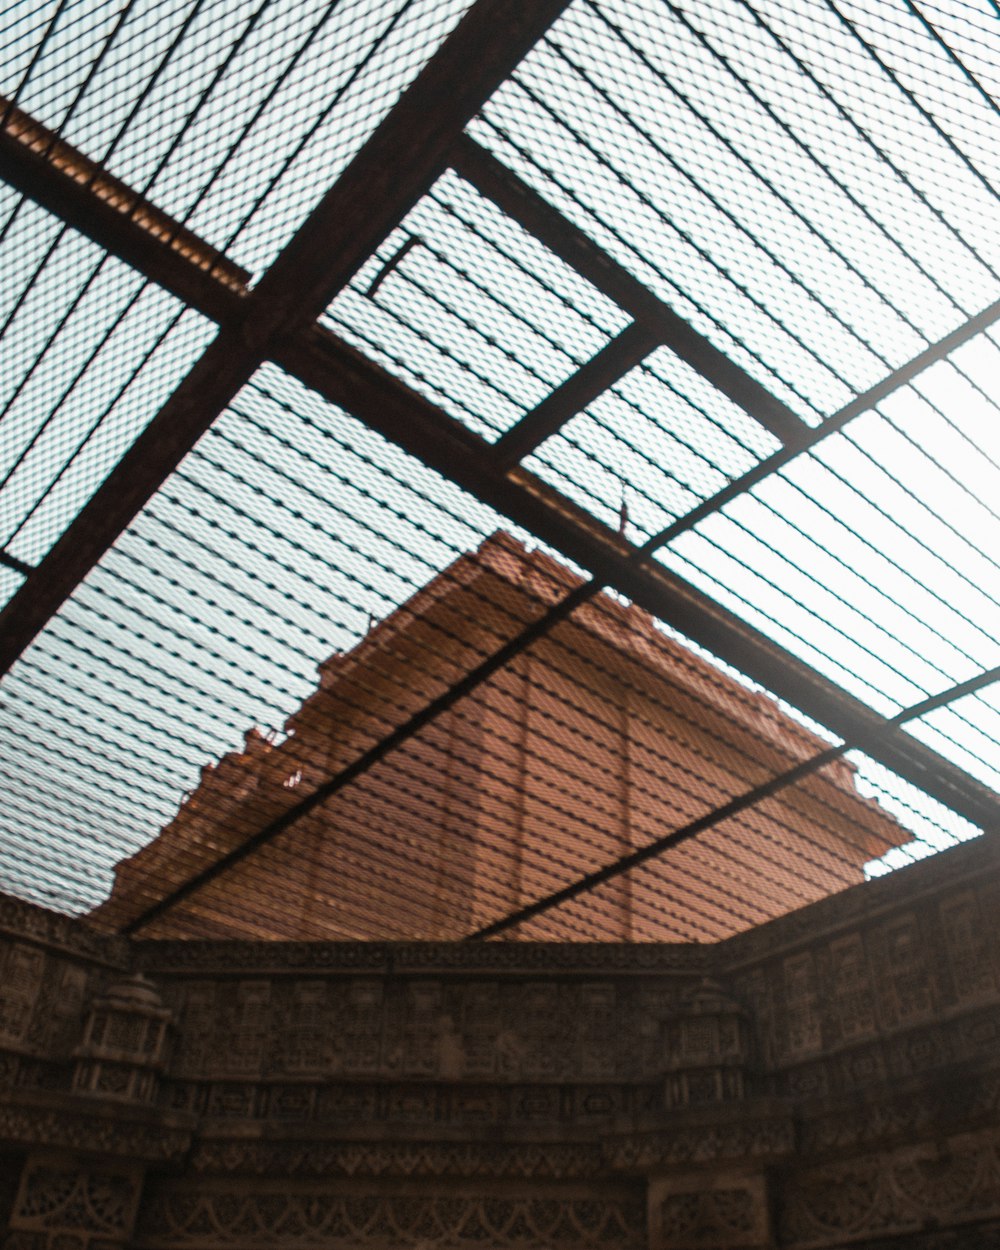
342,1214
10,1175
63,1204
50,966
829,1080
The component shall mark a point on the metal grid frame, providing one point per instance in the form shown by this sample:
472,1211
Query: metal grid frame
280,318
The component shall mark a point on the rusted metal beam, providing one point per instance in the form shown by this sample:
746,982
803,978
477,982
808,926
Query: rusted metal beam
61,179
344,377
581,388
403,156
511,194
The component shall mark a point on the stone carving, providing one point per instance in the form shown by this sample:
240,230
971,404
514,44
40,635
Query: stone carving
73,1128
978,1236
194,1218
707,1043
802,1017
464,1159
124,1043
852,998
970,962
707,1217
907,1189
537,1030
55,932
906,992
321,1075
745,1138
61,1204
21,977
381,957
699,1211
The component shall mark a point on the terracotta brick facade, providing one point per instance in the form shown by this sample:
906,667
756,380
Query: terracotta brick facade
602,736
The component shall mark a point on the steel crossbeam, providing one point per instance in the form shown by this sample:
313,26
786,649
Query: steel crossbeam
396,165
165,253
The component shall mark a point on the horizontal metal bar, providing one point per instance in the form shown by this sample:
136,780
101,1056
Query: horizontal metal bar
809,438
659,846
346,378
741,803
61,179
581,388
424,716
323,363
511,194
12,562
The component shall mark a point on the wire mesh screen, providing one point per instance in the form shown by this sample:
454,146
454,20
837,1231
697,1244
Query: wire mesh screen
233,118
467,307
666,316
768,170
873,553
190,702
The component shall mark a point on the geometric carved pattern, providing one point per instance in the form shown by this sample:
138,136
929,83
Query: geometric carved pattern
192,1219
297,1158
895,1192
322,1073
21,975
707,1215
245,1028
74,1128
63,1207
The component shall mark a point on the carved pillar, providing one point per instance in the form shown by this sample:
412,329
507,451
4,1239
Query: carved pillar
725,1206
124,1043
87,1201
64,1204
708,1044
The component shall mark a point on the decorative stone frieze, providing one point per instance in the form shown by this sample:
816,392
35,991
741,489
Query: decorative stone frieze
940,1183
62,1204
833,1082
206,1217
728,1210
